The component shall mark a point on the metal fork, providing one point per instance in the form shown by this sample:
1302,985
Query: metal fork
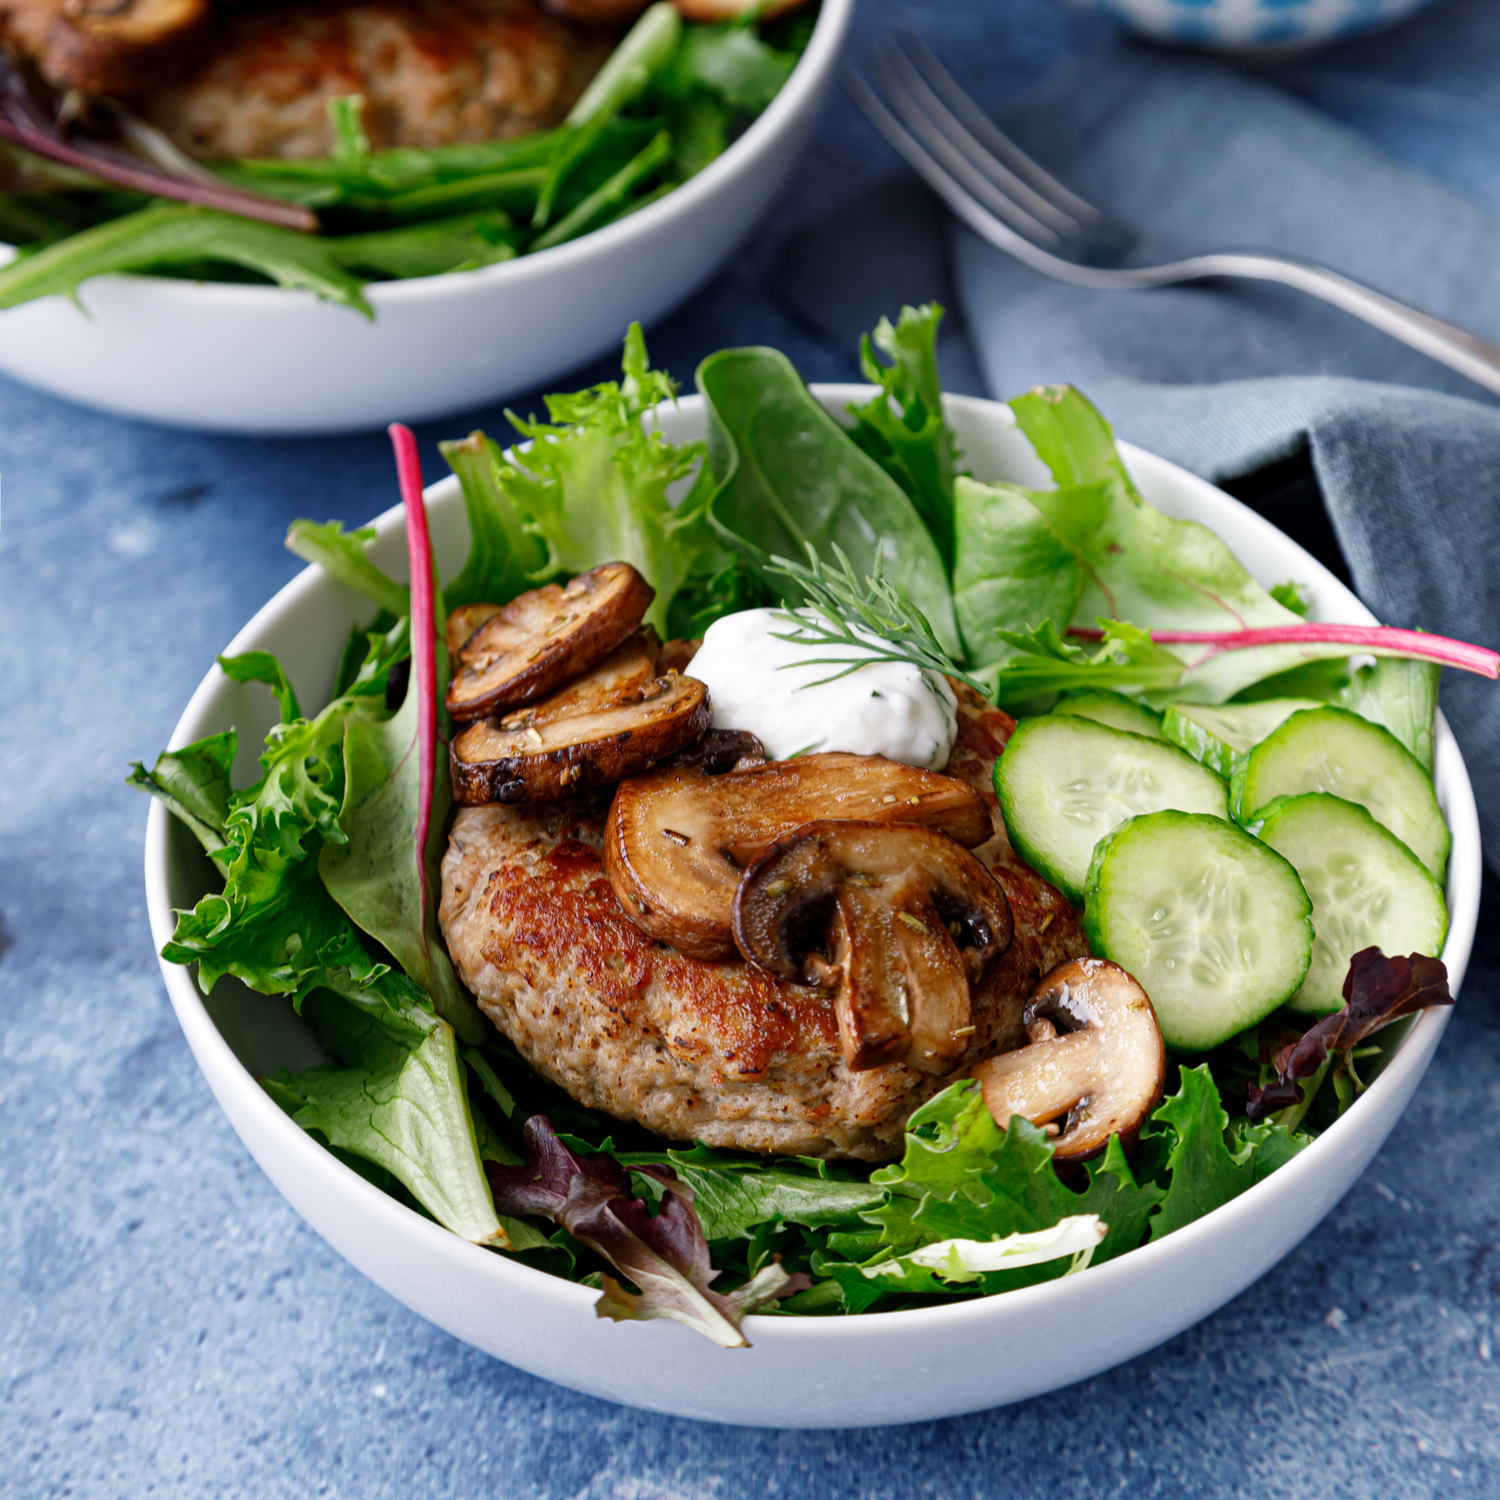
1018,206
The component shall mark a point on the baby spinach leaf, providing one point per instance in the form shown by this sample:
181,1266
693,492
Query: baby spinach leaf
461,243
643,53
788,475
731,62
399,1105
903,429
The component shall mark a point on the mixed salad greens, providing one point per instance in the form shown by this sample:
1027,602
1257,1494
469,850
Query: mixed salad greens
329,860
670,99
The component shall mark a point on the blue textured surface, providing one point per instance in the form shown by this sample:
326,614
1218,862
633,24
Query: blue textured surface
167,1325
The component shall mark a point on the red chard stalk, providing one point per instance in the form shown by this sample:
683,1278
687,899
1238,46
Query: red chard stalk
423,628
1381,640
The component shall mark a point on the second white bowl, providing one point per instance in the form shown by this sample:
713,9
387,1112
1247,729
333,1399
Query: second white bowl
261,360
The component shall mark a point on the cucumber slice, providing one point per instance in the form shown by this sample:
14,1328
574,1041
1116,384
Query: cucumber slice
1115,710
1064,782
1367,889
1218,734
1333,750
1214,924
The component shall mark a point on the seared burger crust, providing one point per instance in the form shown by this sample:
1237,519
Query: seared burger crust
431,72
698,1050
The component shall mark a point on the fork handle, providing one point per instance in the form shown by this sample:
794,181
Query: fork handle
1470,355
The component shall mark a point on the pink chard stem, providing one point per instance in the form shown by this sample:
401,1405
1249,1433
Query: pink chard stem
423,632
1382,639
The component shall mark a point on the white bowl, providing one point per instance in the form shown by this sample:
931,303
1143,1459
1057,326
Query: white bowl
259,359
1253,25
823,1372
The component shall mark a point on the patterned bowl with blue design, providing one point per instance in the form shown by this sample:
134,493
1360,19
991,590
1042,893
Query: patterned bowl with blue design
1253,25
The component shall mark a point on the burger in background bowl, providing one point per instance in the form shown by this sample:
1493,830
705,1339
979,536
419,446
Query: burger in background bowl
331,216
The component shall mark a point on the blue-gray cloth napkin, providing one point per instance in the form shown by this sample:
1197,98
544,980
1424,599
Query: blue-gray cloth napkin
1228,379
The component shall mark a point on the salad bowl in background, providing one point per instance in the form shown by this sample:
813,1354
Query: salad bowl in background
258,359
1253,25
876,1368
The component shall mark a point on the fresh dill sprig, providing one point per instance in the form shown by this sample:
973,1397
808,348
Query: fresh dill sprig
846,612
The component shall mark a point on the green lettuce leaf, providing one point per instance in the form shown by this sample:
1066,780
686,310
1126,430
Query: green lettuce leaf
193,783
730,62
1157,572
400,1103
1402,695
903,428
341,554
261,666
1040,662
274,925
958,1262
375,871
505,556
733,1195
1208,1162
593,486
399,1098
788,475
1013,570
167,235
962,1178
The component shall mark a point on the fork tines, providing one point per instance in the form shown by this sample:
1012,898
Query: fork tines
916,104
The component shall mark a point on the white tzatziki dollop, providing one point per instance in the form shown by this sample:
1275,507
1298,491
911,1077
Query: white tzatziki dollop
766,686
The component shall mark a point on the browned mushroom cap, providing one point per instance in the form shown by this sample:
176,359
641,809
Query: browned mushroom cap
1096,1057
720,750
900,919
124,46
626,675
538,641
677,839
464,621
557,754
677,656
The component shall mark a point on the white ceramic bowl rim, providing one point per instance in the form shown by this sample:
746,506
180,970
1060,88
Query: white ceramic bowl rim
1413,1053
827,37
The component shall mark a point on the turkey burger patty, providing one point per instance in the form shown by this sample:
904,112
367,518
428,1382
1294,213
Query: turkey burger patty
698,1049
